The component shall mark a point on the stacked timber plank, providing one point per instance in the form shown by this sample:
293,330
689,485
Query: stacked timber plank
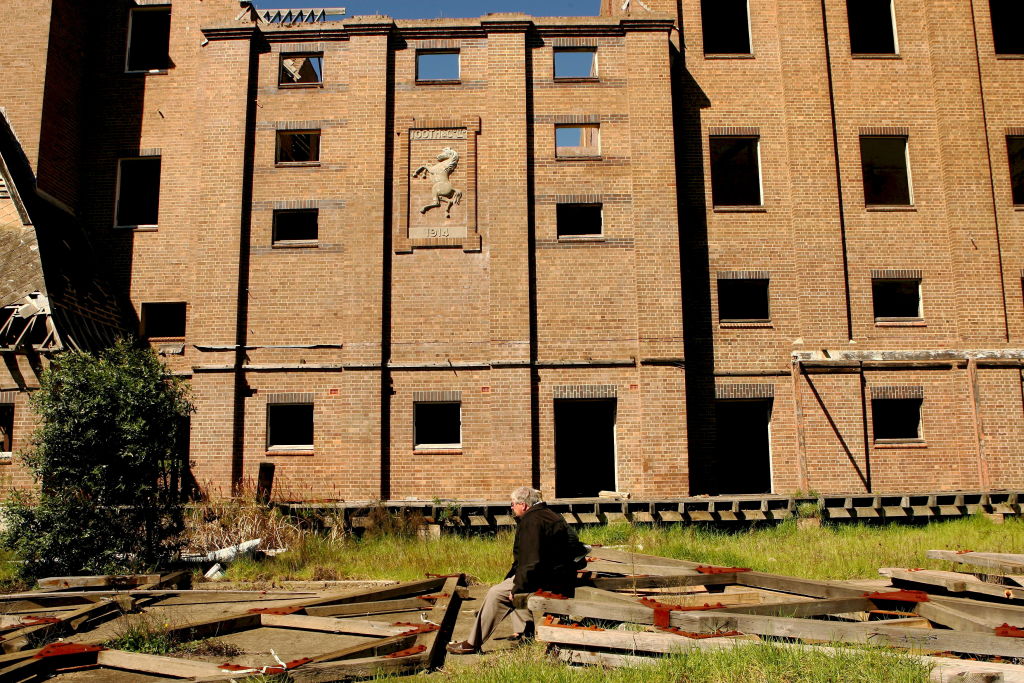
394,629
640,606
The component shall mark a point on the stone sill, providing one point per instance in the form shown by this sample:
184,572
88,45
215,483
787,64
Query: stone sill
286,451
138,228
899,443
441,81
752,208
300,86
729,55
582,238
873,55
900,322
436,451
576,79
296,164
295,244
148,72
749,324
884,207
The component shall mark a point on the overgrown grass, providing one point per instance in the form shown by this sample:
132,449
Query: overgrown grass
10,580
759,663
828,552
147,634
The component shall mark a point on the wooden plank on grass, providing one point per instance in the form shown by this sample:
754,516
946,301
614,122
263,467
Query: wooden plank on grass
634,582
211,628
1005,563
954,582
325,672
331,625
638,614
444,614
632,641
804,608
874,633
632,568
359,609
625,557
952,618
375,647
791,584
111,580
69,621
154,664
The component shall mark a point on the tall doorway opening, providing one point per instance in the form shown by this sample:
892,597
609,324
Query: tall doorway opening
743,462
584,447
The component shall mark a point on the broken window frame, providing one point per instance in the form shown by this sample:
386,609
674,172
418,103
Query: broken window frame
1006,28
281,71
441,51
6,431
579,151
562,218
749,52
146,310
749,280
896,319
594,67
717,203
277,241
1016,168
271,447
152,9
431,446
118,191
895,34
906,167
37,332
278,147
889,411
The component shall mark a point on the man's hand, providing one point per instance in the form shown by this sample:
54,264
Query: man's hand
511,597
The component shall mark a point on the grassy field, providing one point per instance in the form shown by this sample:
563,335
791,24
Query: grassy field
829,552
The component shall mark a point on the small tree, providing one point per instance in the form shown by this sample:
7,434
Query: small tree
107,460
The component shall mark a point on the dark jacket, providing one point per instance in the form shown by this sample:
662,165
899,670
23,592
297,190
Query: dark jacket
544,552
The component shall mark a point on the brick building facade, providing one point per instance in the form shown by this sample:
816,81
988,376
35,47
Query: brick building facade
677,248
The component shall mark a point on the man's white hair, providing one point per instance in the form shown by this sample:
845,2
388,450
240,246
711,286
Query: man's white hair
524,494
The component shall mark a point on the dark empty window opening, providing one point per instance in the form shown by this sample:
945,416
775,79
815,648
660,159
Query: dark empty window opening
437,425
138,192
22,332
165,320
897,419
872,27
895,300
578,141
6,429
300,225
576,63
726,27
1015,152
1007,26
298,146
149,37
742,460
290,426
886,171
437,65
743,300
301,69
578,220
735,171
584,447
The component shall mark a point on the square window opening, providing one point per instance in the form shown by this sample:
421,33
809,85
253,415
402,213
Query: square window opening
575,63
895,300
896,419
149,38
579,220
1007,26
437,425
726,27
300,225
735,171
6,430
437,65
886,171
290,426
164,320
301,69
1015,153
578,141
298,146
138,192
872,27
743,300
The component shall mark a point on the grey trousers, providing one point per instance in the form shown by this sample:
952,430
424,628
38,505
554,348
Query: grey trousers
496,607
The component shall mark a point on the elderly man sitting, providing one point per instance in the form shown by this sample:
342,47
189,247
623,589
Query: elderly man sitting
545,556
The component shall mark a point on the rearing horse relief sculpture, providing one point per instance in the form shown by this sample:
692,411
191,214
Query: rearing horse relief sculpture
438,174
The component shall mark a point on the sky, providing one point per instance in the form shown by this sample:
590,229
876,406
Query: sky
411,9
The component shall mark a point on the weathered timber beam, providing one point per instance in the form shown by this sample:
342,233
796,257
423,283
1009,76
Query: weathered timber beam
1002,562
639,614
355,609
331,625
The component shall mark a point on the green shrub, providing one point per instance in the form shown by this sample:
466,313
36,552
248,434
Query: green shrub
107,462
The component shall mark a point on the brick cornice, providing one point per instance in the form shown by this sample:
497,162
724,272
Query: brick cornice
240,32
